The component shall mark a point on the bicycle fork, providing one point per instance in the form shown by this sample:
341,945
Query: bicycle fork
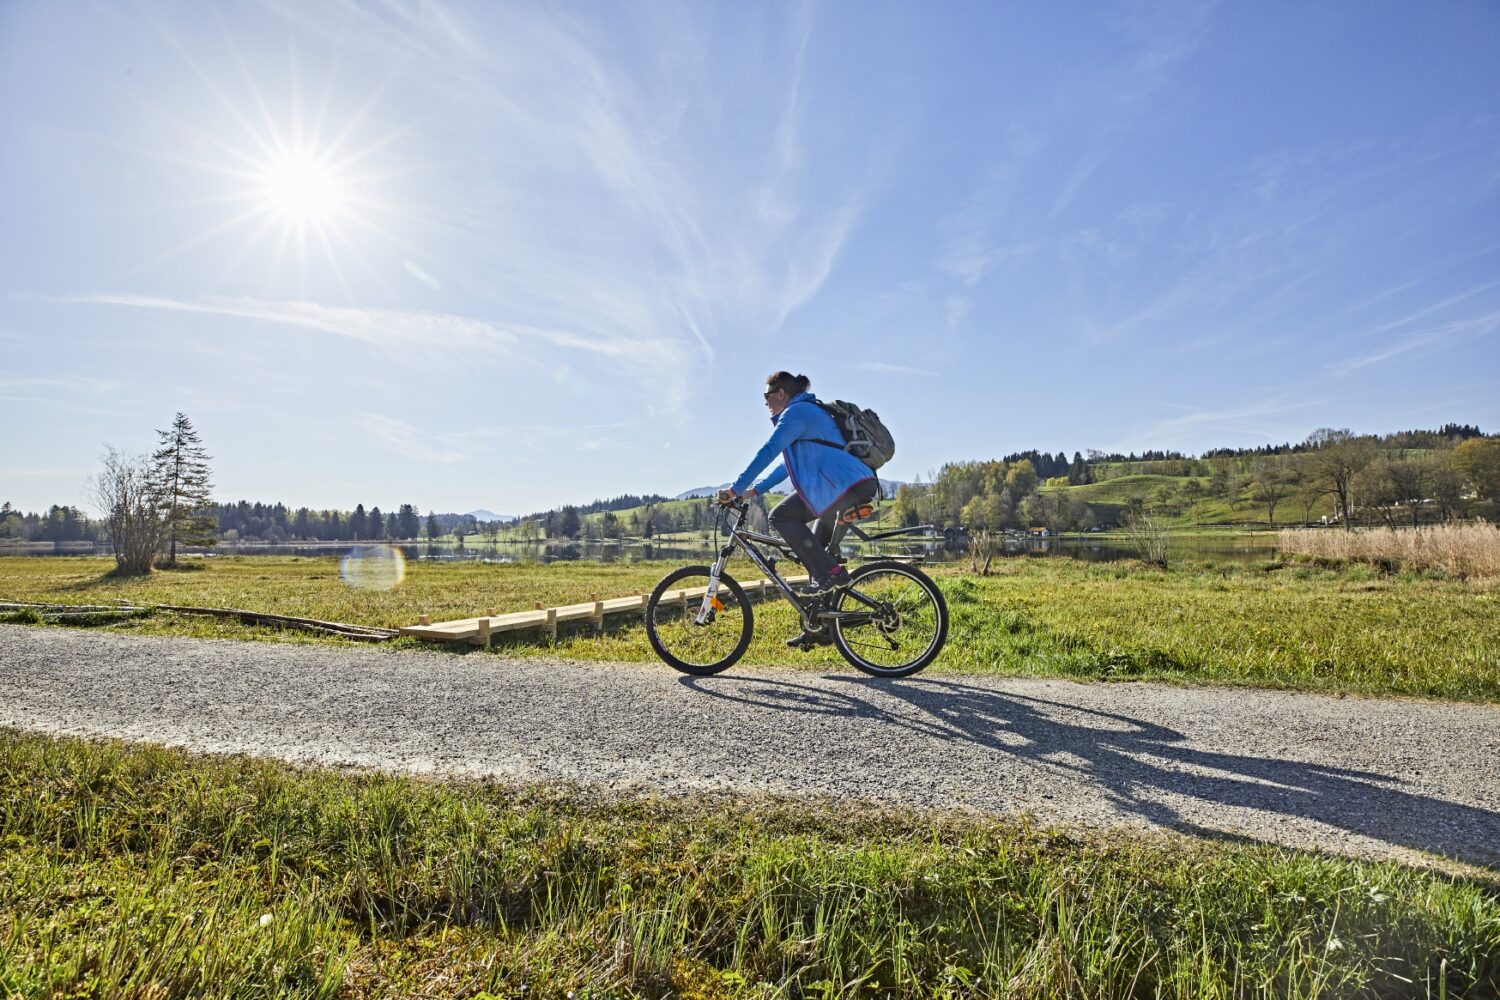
711,602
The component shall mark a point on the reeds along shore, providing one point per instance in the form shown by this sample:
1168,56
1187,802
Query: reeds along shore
1460,550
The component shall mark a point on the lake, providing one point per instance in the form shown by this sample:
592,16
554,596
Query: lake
1228,547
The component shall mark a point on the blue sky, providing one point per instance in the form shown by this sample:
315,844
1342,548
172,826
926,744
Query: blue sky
510,256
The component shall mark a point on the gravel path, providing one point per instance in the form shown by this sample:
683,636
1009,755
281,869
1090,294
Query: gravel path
1380,778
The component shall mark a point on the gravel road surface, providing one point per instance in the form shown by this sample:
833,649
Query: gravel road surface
1377,778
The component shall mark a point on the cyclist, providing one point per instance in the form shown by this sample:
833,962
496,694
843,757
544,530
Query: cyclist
827,481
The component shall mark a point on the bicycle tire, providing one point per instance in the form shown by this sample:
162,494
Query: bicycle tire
672,651
925,587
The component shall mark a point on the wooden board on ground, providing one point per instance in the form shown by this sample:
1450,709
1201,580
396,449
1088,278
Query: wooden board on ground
470,629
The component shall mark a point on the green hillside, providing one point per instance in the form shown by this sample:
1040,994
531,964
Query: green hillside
1124,489
1184,500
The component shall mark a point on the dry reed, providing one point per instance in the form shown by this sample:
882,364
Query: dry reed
1461,550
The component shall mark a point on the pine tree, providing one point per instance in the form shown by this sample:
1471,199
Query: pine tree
179,471
375,525
357,528
433,531
408,525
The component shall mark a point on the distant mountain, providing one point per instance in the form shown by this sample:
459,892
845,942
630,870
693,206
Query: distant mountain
701,491
482,515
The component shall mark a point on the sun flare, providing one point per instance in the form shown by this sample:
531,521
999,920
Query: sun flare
308,195
302,189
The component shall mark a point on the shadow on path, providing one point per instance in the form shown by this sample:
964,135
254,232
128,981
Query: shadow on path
1133,761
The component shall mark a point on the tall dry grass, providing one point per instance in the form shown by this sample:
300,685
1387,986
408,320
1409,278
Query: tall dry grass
1461,550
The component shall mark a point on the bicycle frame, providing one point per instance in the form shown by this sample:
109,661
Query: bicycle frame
811,616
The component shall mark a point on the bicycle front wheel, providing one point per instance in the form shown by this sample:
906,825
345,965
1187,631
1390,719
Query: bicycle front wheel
695,633
899,620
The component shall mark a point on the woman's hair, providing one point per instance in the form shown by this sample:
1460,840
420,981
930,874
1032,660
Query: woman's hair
786,381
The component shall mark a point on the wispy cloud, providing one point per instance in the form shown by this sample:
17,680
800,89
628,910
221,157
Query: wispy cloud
408,441
67,393
404,330
1438,337
957,309
1162,36
995,225
12,386
621,221
1257,419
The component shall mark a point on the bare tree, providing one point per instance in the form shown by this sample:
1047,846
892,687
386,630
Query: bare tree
983,547
130,499
1447,487
1376,488
1410,483
1270,483
1337,457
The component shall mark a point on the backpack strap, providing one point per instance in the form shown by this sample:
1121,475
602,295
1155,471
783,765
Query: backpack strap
845,449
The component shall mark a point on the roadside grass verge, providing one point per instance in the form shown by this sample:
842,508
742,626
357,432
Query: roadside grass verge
1458,550
1352,629
139,871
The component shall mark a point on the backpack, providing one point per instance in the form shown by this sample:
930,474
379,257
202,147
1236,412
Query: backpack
865,437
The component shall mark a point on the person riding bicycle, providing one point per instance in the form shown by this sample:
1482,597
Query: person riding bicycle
827,481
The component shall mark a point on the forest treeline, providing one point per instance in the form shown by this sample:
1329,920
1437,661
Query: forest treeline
1402,477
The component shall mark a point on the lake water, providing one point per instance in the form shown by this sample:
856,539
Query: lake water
1237,548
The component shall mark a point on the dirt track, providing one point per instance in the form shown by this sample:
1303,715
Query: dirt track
1371,777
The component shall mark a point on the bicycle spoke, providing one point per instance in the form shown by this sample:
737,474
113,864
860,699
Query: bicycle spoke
906,613
681,639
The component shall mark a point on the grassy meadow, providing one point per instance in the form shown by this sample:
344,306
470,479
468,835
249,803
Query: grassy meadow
1351,628
135,872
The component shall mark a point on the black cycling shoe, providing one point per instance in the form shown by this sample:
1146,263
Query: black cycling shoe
807,640
829,585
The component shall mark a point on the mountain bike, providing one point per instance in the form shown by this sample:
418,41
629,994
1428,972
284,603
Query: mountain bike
891,621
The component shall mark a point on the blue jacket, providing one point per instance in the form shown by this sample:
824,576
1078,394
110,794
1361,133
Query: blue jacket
820,474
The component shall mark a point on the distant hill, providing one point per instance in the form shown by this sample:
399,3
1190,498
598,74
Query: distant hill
488,515
699,491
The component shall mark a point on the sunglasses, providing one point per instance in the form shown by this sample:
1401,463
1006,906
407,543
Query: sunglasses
773,392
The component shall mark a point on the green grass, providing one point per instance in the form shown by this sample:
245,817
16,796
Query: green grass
1353,629
1124,489
1112,497
142,872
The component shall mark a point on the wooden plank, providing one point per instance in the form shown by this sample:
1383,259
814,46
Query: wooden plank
547,618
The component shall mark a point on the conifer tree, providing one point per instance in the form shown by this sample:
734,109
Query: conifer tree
375,525
179,471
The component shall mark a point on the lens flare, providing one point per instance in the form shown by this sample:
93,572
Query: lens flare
373,567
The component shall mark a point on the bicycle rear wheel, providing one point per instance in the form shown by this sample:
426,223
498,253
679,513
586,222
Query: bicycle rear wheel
903,620
672,626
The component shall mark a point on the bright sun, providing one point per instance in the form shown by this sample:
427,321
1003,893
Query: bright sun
299,189
302,189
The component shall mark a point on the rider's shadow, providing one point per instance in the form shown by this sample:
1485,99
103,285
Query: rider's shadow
1135,763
